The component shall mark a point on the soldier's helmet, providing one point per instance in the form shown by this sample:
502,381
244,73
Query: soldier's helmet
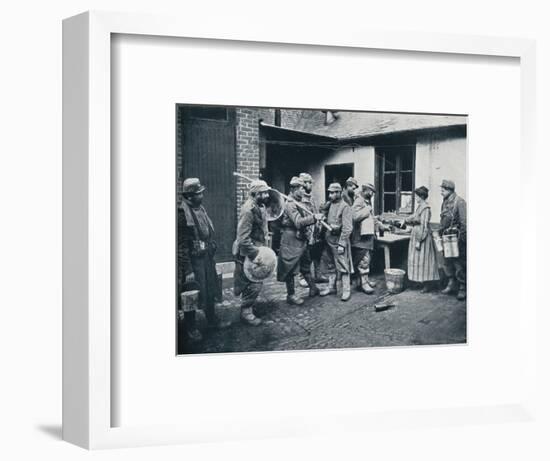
259,272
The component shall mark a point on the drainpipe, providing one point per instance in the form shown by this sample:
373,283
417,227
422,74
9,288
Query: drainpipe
277,117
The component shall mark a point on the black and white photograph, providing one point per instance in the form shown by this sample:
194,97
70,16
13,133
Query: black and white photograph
304,229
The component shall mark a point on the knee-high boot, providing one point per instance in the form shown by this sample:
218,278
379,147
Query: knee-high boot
313,290
292,297
331,288
318,277
365,285
193,334
346,288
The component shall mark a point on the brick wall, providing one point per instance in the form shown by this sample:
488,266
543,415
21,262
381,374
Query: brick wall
247,144
248,147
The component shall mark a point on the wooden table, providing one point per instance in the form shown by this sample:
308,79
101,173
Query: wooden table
387,241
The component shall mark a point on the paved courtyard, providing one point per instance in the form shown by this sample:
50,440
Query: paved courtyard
328,323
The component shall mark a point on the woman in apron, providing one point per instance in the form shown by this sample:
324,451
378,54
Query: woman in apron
422,265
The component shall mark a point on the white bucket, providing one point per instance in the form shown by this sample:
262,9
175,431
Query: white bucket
395,280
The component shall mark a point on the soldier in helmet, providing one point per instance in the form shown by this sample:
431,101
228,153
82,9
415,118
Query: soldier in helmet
337,252
315,234
453,221
197,248
348,194
294,255
364,236
251,235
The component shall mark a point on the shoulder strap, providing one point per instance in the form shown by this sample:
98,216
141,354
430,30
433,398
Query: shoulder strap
189,214
198,232
454,211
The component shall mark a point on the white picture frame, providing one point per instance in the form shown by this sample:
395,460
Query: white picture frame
87,362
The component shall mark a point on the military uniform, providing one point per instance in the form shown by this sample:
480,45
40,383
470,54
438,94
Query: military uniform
340,217
362,240
335,262
197,253
297,228
349,199
251,234
196,250
453,219
315,237
315,233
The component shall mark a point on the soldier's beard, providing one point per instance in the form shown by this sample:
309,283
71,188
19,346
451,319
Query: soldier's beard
195,201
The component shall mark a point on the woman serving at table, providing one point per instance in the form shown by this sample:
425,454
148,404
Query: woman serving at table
422,264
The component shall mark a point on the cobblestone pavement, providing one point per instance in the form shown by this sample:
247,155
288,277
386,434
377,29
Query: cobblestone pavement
320,323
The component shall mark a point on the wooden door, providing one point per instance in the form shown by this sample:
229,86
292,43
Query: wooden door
208,153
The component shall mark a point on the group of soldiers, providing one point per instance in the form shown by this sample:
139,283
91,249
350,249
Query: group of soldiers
320,243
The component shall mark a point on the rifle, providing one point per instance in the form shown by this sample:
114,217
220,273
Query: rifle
286,197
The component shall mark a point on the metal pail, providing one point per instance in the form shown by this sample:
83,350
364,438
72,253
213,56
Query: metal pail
395,279
190,300
450,246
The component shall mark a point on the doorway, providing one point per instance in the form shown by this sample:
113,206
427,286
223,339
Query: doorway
338,173
206,146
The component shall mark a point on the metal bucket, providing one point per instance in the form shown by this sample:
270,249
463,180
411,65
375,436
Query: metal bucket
437,241
450,246
190,300
395,279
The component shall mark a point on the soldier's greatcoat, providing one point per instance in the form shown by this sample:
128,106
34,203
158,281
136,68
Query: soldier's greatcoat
340,217
364,224
251,234
294,239
453,215
194,227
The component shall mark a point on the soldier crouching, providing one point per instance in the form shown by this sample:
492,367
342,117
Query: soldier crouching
294,257
251,236
337,252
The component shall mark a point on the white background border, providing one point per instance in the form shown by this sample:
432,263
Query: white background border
150,74
99,144
31,175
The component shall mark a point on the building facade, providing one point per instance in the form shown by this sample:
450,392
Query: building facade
396,152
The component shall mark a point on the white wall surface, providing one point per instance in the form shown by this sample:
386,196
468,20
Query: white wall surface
438,159
361,157
30,235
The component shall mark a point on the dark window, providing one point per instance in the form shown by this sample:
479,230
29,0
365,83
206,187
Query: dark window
338,173
390,183
396,178
205,112
406,181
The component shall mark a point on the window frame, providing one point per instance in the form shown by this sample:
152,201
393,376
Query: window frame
380,155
